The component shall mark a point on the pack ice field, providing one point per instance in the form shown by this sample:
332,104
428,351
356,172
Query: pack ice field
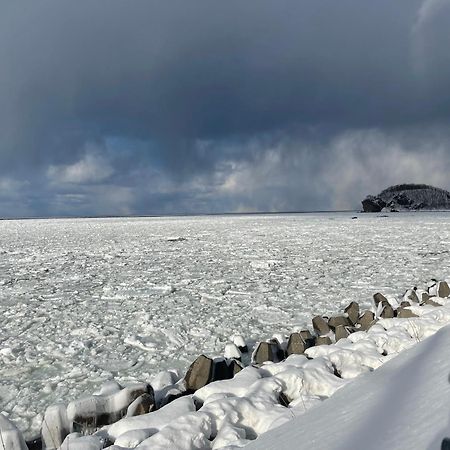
83,301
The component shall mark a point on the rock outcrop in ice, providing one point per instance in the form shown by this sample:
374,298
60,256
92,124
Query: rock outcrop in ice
408,197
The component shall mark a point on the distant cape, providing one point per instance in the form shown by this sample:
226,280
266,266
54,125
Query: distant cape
408,197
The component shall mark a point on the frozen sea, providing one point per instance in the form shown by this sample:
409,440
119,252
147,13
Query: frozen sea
85,300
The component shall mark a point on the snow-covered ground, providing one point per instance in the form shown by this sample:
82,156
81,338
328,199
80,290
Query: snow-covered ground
84,300
402,405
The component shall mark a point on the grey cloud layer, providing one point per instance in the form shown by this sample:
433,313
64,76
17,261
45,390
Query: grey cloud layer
197,92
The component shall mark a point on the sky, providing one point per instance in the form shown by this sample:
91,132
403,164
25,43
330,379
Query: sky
116,107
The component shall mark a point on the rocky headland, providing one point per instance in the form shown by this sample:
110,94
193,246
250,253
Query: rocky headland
409,197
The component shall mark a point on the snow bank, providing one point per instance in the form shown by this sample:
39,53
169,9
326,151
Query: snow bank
402,405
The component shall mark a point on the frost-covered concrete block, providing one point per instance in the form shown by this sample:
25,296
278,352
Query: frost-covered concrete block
443,290
387,312
320,326
306,335
199,373
411,296
299,342
98,410
352,311
366,320
267,351
341,332
378,297
335,321
11,437
55,426
296,345
405,313
323,340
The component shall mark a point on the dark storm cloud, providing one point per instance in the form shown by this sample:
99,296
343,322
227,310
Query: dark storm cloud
162,103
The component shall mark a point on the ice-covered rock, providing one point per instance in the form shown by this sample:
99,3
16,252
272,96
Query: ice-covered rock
98,410
163,379
408,197
11,437
55,426
232,351
166,386
239,341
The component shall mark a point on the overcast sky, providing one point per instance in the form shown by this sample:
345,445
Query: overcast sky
147,107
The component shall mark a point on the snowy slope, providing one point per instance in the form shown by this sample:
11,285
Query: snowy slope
405,404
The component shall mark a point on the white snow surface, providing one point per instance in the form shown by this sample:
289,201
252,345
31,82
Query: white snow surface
402,405
86,300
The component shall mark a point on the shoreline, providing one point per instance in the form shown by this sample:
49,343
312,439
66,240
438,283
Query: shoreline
210,375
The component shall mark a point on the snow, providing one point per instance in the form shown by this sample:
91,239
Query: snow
153,421
232,351
402,405
83,301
